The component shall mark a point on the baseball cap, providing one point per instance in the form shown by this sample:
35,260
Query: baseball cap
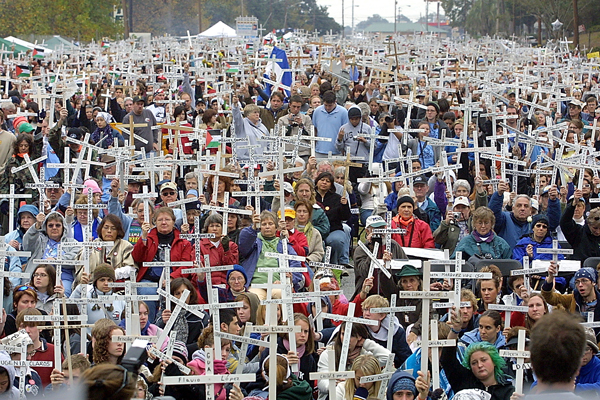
421,179
289,212
75,133
535,204
577,103
375,221
139,98
26,127
287,187
462,200
168,185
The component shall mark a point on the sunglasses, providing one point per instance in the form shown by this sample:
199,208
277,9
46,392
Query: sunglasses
165,193
97,307
24,287
54,226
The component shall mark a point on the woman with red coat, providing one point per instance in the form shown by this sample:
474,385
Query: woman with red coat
418,233
151,248
220,249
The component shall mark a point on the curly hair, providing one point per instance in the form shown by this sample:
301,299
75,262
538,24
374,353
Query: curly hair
100,354
20,138
492,351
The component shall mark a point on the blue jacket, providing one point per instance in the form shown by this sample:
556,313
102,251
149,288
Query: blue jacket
475,337
498,248
553,213
589,378
507,226
434,214
414,362
250,247
520,249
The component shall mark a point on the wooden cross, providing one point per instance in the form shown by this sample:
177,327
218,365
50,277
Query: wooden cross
392,310
555,250
11,196
345,162
130,127
520,354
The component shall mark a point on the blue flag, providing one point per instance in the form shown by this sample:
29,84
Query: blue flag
285,77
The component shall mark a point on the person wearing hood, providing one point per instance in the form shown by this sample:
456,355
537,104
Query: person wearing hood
103,275
7,376
539,238
25,219
386,322
584,297
511,225
403,386
104,135
585,239
236,284
33,383
481,367
587,383
249,126
351,135
43,240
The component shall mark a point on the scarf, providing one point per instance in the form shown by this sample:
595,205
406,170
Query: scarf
307,230
406,222
486,239
105,134
299,349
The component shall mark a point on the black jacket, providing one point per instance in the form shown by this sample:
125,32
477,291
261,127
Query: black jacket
461,378
584,243
336,211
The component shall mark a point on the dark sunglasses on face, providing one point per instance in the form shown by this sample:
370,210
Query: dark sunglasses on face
165,193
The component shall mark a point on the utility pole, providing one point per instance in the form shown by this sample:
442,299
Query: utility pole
576,23
343,25
200,16
125,19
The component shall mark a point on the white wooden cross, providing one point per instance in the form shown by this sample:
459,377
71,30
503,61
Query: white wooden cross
11,196
555,250
434,344
426,297
146,197
520,354
508,310
383,377
392,310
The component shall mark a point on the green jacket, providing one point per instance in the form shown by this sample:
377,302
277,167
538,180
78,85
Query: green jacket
446,235
300,390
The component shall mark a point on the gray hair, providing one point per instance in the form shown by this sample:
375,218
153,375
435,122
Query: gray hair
521,196
212,219
300,160
461,183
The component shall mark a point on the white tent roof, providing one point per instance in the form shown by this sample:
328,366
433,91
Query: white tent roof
27,44
220,29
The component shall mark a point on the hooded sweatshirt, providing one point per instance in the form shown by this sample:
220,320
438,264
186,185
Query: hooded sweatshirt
397,375
11,392
41,246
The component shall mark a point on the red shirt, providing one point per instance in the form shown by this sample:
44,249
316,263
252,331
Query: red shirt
45,353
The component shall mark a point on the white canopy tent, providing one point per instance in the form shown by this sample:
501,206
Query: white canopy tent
220,29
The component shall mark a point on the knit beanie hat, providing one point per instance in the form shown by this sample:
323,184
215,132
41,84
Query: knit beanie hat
586,272
405,383
102,271
406,199
180,350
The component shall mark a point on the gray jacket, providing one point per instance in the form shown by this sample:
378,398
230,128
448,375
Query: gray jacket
36,241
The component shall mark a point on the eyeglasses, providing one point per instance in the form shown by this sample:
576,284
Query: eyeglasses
51,226
53,189
238,279
581,281
24,287
97,307
165,193
40,275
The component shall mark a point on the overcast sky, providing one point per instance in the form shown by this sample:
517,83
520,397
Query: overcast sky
385,8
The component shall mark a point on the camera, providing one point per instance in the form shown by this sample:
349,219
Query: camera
388,119
135,357
456,215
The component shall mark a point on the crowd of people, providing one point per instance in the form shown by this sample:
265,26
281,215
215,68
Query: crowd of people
110,217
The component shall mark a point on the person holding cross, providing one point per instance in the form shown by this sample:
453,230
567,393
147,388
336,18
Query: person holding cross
131,226
583,299
511,226
220,249
481,368
25,144
539,238
253,246
32,381
418,233
483,241
43,240
249,126
103,275
138,116
585,239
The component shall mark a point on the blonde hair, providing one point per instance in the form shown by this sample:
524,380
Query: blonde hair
250,108
375,301
368,365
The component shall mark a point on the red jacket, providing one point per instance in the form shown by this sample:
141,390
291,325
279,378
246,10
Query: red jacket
418,234
45,353
340,308
219,257
300,244
181,250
